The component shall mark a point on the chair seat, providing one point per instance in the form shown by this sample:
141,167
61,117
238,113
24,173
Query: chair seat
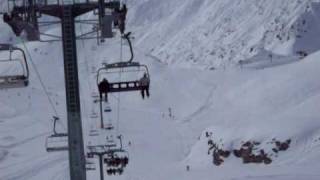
13,82
125,86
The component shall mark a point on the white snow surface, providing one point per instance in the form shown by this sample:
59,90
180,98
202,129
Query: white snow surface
180,41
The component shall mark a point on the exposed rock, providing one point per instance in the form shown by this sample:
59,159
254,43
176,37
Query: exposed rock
217,159
249,151
267,160
275,150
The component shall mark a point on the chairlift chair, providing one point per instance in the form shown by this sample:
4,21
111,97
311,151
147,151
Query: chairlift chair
95,95
57,141
110,142
108,126
90,165
123,67
94,115
93,132
117,158
14,72
114,171
129,67
107,107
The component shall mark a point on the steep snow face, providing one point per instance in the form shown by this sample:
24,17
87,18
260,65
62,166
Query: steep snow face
210,33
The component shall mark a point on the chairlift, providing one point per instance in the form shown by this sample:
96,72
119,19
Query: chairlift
107,108
89,155
93,132
110,142
106,105
14,72
95,96
94,115
57,141
108,126
90,164
129,69
117,158
114,171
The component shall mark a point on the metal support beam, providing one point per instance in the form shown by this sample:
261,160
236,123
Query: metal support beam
100,156
76,149
101,166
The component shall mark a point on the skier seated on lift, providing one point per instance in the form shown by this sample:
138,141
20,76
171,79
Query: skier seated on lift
103,89
121,18
144,83
15,21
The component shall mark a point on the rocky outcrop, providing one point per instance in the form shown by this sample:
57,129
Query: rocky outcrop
249,151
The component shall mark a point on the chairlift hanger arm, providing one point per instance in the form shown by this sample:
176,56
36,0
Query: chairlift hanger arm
25,60
56,9
127,37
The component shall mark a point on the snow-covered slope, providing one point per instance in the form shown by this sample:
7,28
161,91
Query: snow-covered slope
210,33
258,102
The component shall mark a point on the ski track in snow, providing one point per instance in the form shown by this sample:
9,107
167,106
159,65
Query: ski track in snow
27,173
206,105
23,141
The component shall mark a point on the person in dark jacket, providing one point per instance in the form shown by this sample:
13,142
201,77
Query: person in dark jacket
15,21
145,83
122,14
103,89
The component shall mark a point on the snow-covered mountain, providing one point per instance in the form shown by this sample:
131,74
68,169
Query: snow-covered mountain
211,33
247,85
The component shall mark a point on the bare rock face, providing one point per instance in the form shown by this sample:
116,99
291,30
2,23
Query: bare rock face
217,159
282,146
267,160
249,151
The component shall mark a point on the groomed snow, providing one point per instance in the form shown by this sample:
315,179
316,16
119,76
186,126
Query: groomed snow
260,101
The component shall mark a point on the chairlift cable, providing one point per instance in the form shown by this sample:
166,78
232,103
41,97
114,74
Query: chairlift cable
41,81
87,64
119,100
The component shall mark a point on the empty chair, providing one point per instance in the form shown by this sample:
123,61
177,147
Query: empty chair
90,164
93,132
56,141
14,71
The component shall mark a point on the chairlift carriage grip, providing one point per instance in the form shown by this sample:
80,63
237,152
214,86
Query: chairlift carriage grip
126,36
25,61
54,126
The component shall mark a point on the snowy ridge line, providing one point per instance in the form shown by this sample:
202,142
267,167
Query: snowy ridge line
217,33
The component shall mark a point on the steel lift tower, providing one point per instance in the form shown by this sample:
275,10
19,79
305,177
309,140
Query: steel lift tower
24,16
